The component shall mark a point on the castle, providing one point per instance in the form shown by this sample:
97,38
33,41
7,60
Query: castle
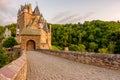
7,33
33,31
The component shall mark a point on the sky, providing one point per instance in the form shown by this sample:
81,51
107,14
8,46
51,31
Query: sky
63,11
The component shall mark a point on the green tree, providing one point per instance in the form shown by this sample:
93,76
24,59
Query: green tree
3,60
111,47
91,37
81,48
73,47
92,46
1,30
96,36
103,50
9,42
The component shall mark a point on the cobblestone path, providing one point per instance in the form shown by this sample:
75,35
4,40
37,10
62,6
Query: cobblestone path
46,67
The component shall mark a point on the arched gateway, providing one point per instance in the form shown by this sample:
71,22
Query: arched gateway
30,45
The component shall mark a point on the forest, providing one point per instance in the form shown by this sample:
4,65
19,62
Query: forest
91,36
5,59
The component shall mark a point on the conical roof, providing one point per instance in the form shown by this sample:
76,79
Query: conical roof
45,27
41,19
36,11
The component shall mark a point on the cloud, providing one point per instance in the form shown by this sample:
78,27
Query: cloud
4,1
81,18
60,15
7,12
4,20
5,6
69,17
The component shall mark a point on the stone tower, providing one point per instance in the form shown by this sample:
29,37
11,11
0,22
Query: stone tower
33,31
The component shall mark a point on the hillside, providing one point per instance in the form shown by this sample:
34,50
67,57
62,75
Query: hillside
91,36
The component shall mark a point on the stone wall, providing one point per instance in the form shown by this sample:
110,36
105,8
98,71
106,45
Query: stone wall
16,70
111,61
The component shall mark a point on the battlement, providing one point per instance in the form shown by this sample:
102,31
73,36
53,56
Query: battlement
27,8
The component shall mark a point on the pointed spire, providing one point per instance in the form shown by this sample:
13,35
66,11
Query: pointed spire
41,20
45,27
22,7
36,11
18,12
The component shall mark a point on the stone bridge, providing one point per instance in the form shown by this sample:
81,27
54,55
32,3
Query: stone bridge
61,65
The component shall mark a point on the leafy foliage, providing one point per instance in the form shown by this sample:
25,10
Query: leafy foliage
56,48
103,50
9,42
3,58
92,46
95,36
1,30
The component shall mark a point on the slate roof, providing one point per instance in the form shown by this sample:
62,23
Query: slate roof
36,11
45,27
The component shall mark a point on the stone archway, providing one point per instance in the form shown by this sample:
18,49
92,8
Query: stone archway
30,46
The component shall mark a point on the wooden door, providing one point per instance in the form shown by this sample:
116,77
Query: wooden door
30,45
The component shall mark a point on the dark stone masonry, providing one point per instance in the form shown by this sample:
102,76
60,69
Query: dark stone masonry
111,61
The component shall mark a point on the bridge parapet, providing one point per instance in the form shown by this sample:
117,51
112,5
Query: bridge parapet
111,61
16,70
